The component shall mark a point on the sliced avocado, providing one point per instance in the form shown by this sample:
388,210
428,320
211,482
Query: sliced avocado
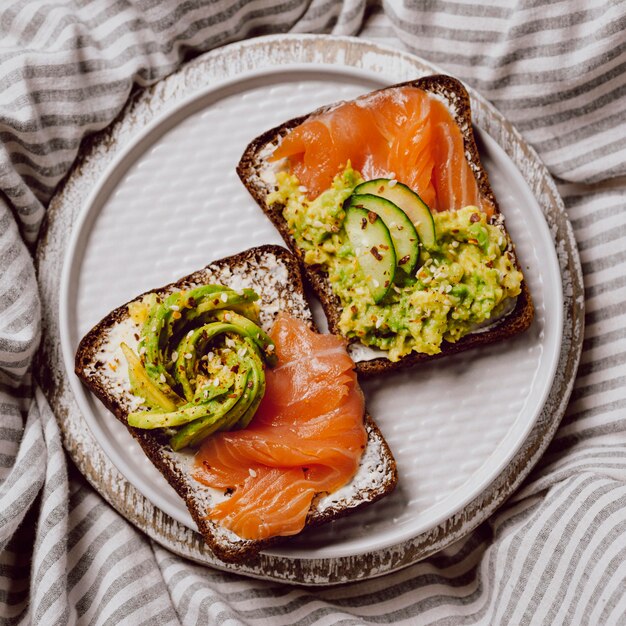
142,384
373,248
222,390
401,229
194,343
256,386
194,432
254,332
215,410
409,202
176,311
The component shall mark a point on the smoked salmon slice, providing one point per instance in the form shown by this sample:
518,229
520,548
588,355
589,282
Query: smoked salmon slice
403,133
306,438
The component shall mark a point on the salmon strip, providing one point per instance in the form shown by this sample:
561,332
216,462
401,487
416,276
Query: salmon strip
307,437
403,133
251,511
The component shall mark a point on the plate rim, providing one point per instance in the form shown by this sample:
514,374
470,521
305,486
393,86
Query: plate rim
170,112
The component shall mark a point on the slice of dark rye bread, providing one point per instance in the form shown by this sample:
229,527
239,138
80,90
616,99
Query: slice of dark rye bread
273,273
256,173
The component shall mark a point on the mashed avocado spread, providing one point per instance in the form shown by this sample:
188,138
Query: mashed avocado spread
461,283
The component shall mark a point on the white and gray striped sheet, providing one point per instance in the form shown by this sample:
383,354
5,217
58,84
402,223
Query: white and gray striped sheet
556,552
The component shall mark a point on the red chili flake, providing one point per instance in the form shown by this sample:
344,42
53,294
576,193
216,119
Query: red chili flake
192,302
489,264
354,309
474,217
206,465
363,224
234,368
404,259
377,255
371,216
386,283
136,336
229,491
383,246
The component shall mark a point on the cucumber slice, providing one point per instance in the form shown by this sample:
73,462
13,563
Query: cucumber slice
401,229
373,247
409,202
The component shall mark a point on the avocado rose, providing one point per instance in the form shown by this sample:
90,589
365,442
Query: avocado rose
201,363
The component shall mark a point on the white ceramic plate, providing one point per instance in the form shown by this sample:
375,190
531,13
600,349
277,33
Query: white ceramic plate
171,202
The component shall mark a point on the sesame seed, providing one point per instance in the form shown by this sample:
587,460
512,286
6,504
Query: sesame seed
252,473
270,348
455,244
174,307
174,356
142,350
190,333
162,377
188,355
224,297
392,183
216,382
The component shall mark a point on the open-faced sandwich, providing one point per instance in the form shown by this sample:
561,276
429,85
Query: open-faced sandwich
254,418
386,204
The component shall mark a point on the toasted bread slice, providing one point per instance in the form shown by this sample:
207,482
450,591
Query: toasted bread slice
257,174
273,273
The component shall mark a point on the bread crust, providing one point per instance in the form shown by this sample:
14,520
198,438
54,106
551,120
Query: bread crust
155,444
457,99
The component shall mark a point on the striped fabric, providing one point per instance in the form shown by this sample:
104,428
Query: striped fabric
556,553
